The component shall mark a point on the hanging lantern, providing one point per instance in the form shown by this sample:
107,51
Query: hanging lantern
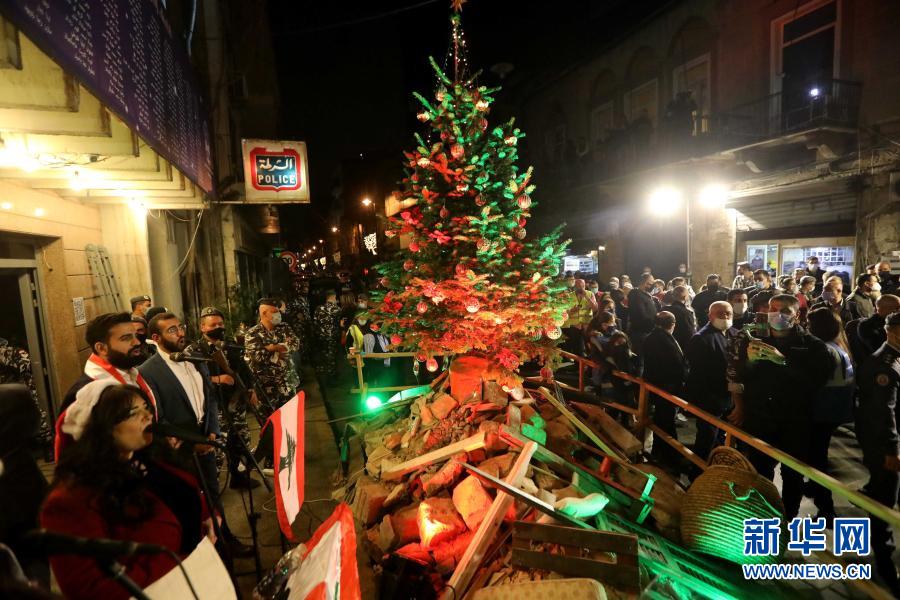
457,151
423,161
473,305
524,201
511,140
482,105
431,364
424,116
554,333
421,308
408,264
416,369
396,339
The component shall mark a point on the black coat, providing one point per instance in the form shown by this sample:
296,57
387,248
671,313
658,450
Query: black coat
664,362
702,301
871,333
707,385
172,402
642,309
685,323
876,418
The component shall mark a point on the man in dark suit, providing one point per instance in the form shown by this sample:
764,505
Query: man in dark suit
642,309
707,385
184,397
702,301
685,320
871,331
665,367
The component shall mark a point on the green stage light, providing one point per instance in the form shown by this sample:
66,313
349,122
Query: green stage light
373,402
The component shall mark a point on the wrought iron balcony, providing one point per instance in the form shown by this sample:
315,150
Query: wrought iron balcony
818,103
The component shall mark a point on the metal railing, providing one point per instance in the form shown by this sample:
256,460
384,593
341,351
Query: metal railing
732,433
644,423
815,103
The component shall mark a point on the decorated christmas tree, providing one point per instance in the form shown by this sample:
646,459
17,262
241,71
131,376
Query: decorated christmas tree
470,280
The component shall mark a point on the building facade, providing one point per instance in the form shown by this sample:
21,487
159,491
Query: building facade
722,131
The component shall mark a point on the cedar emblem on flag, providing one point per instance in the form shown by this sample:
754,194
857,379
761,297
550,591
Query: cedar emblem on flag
288,423
327,569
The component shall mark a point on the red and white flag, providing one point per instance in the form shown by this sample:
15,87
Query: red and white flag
288,423
328,569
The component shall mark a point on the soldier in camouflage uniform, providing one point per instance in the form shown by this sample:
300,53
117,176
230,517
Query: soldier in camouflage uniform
15,367
231,396
298,316
325,323
267,348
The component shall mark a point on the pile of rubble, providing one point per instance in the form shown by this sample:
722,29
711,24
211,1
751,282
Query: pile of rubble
429,495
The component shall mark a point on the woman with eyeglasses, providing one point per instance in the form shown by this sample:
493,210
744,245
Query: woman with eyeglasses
107,486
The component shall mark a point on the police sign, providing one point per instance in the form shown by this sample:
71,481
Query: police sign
275,171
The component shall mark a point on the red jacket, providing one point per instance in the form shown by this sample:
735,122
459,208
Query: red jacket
72,510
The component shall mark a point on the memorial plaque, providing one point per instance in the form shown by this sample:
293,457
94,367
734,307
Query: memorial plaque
124,52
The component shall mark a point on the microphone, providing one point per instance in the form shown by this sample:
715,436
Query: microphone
185,435
182,357
48,542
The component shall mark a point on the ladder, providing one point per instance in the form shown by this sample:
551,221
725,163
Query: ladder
104,279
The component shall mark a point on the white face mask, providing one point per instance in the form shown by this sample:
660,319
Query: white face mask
362,321
276,318
614,285
722,324
876,287
739,308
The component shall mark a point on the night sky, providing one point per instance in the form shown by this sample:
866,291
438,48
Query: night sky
348,69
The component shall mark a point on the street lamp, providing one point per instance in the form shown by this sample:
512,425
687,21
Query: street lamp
714,195
664,201
366,202
334,230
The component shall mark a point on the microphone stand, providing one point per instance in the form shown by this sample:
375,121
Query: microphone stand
116,572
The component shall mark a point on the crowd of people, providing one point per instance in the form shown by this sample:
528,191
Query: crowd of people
787,359
114,478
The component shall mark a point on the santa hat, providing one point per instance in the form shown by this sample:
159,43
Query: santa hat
79,413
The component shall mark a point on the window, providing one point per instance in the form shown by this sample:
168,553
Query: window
694,77
601,122
805,47
556,143
642,98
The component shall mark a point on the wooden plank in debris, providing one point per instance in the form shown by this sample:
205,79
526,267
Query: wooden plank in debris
587,431
623,573
395,472
487,531
621,437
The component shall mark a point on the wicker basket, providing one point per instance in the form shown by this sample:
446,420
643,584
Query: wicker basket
718,502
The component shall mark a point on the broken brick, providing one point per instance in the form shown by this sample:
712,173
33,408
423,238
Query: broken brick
438,521
446,475
416,553
370,497
493,392
406,525
442,406
472,502
499,465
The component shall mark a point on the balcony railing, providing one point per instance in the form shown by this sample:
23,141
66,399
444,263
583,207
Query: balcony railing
820,102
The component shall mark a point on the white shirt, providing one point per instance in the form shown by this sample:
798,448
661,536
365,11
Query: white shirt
191,381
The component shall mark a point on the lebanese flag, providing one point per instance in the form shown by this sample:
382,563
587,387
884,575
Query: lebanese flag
288,423
328,569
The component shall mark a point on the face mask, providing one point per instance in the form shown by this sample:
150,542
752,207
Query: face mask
654,290
682,270
142,337
876,287
884,275
614,285
362,305
571,284
362,321
594,290
276,318
217,334
722,324
713,287
780,322
813,268
760,285
739,308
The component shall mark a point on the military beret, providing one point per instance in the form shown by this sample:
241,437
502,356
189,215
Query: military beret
137,299
155,310
269,302
211,311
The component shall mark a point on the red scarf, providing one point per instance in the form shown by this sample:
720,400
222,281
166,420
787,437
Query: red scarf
97,368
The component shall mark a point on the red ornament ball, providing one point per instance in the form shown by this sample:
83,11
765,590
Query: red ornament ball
524,201
413,246
546,373
457,151
444,212
479,200
483,244
396,339
483,124
423,161
421,308
431,364
374,327
461,269
408,264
